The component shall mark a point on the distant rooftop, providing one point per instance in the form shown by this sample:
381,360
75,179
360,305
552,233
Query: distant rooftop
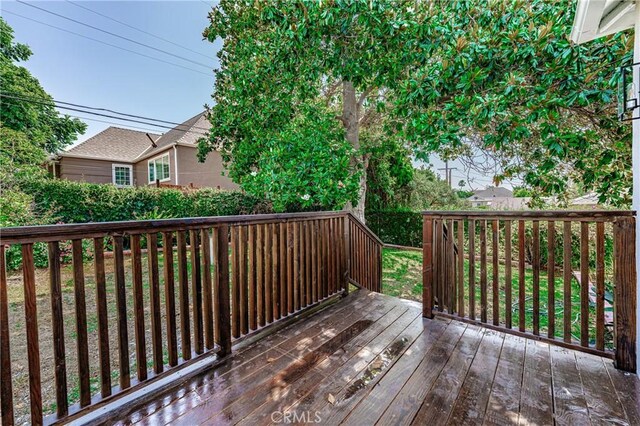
491,192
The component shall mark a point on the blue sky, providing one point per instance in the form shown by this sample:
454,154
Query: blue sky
82,71
74,69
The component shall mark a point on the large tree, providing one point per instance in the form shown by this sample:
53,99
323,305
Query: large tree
280,57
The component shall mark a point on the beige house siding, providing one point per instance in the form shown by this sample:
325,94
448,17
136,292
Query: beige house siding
86,170
141,169
207,174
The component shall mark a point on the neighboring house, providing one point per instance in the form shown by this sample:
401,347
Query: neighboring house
131,158
487,197
588,201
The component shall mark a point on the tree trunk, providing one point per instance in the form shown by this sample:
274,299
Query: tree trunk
351,121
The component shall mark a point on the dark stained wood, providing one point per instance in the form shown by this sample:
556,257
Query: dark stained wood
566,266
536,398
571,215
551,279
31,321
275,271
427,268
235,283
121,306
451,267
101,307
154,297
170,298
495,291
81,322
6,385
268,274
290,275
296,266
508,283
600,286
253,296
183,291
536,277
243,283
57,325
625,294
460,265
472,269
207,293
584,284
483,271
302,263
521,277
307,263
221,294
570,405
138,309
314,261
260,268
283,269
603,403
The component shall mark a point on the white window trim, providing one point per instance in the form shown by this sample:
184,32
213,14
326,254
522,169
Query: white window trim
113,174
150,160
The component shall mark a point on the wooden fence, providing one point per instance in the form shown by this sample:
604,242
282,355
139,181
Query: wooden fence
566,277
170,291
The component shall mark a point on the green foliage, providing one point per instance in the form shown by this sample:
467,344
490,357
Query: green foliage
399,227
503,77
522,192
463,194
427,192
389,174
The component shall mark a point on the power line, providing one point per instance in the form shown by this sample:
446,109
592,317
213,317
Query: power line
114,34
102,115
137,29
105,43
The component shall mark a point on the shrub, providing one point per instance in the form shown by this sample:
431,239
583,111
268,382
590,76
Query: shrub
399,227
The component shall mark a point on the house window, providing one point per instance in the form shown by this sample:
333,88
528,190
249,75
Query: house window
159,169
121,175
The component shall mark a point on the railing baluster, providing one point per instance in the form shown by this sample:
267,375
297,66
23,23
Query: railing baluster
451,267
206,288
57,322
31,321
221,294
536,277
314,261
154,300
551,279
495,291
566,267
235,283
472,269
275,271
242,279
170,298
290,268
427,267
103,322
307,261
183,291
584,283
483,270
268,274
460,267
625,276
282,242
6,381
253,313
81,323
138,309
508,283
521,277
121,306
600,286
260,274
196,291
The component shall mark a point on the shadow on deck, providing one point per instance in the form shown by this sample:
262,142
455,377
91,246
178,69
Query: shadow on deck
372,358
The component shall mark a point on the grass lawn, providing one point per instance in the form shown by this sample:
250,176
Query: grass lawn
402,277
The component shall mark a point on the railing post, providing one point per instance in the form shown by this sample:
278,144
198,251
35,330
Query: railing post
427,267
346,254
625,293
222,305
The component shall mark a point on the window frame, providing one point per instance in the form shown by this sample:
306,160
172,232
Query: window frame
155,168
123,166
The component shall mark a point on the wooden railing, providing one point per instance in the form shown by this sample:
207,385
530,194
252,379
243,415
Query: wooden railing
159,295
365,267
565,277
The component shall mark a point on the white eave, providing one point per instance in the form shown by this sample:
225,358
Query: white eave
598,18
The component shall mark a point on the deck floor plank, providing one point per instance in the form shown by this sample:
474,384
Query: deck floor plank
330,368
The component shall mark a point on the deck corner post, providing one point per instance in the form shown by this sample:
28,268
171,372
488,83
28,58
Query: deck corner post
223,309
427,267
625,280
346,254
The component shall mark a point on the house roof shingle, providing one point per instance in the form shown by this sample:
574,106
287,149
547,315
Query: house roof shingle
491,192
188,132
114,144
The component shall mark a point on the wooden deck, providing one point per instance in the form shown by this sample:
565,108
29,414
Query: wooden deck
373,359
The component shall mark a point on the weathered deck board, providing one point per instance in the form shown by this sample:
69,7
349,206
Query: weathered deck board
333,366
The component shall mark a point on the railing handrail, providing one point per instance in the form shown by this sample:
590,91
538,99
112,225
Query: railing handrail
41,233
365,229
557,215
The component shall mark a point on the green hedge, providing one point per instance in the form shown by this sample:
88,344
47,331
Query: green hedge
76,202
396,226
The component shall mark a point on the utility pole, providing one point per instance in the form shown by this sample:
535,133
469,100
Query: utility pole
448,173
